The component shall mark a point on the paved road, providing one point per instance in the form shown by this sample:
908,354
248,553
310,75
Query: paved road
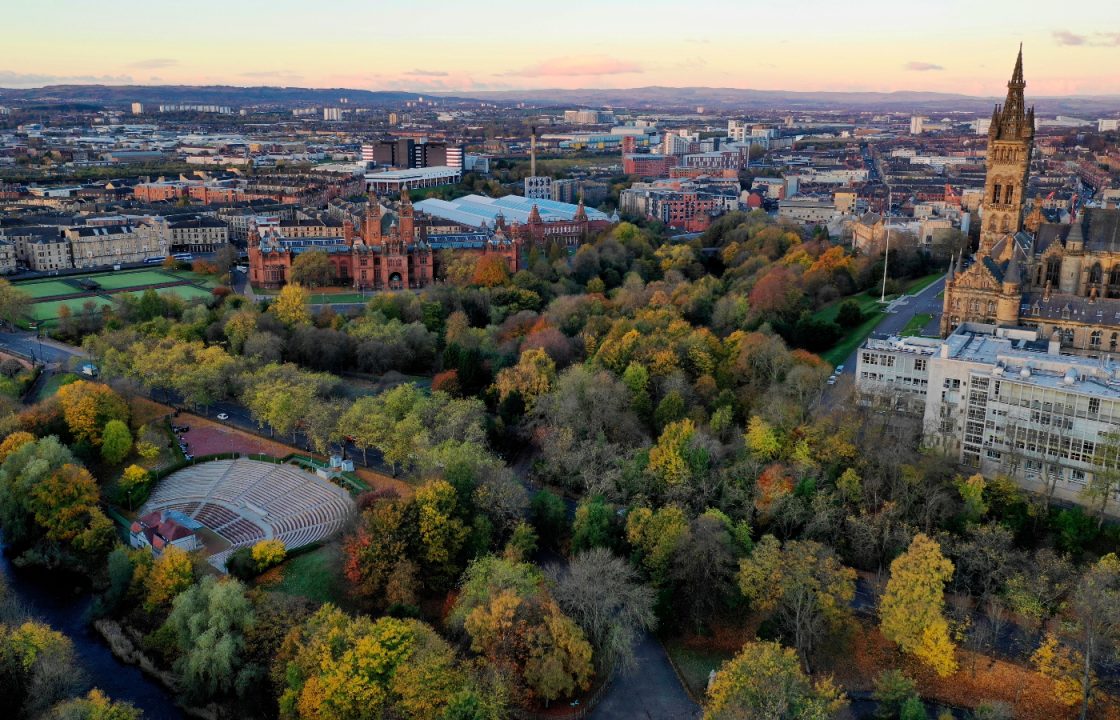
41,349
650,692
924,302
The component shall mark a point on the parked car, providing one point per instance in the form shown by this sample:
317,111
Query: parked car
839,369
831,379
223,416
188,456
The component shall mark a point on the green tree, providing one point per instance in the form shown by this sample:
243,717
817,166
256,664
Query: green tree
892,691
209,621
312,268
95,706
1104,481
765,681
912,609
36,668
594,525
13,303
116,442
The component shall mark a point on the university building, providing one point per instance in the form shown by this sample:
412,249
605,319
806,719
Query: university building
1062,280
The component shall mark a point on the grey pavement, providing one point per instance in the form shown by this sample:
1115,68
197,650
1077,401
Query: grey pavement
651,691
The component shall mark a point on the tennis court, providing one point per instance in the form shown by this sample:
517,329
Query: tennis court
47,288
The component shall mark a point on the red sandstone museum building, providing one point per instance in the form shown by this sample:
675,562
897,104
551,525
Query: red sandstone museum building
405,253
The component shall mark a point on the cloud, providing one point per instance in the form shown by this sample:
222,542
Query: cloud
427,73
1065,37
153,63
576,67
9,78
1097,39
917,66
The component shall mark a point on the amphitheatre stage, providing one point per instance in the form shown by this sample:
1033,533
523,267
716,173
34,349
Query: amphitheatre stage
244,501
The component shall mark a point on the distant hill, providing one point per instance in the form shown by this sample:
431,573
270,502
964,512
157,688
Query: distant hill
732,98
653,97
123,95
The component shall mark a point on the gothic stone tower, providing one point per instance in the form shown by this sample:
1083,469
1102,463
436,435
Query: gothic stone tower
1010,140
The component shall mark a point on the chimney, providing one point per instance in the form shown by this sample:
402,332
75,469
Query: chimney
533,152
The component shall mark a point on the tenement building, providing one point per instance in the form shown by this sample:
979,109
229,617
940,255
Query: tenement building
1002,401
1055,278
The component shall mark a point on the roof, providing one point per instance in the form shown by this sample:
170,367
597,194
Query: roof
474,210
1099,227
102,230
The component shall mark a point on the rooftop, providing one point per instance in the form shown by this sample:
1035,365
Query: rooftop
474,210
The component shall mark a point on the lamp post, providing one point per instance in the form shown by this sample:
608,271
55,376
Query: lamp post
887,244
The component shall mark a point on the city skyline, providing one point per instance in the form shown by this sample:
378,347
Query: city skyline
869,46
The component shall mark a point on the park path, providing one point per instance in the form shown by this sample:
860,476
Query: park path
651,691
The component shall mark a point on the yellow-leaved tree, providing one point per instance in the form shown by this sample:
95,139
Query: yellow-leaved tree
267,553
170,575
291,305
765,680
912,610
532,376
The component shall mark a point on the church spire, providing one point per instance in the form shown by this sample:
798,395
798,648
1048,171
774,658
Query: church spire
1017,73
1012,120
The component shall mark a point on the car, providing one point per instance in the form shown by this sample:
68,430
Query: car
839,369
223,416
831,379
188,456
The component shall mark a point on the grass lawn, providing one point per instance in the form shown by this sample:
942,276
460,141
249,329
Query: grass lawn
51,386
916,286
132,279
872,312
205,279
915,325
49,310
329,298
186,292
314,575
695,664
47,288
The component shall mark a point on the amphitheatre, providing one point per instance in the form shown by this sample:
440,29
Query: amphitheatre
243,501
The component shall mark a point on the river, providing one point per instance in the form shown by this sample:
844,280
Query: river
64,609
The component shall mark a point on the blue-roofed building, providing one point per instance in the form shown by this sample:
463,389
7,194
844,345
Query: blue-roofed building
524,219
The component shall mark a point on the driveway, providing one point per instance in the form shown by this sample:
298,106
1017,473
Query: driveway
651,691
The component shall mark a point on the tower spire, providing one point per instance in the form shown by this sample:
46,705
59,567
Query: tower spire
1017,73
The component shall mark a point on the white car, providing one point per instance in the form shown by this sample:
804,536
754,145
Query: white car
831,379
223,416
839,369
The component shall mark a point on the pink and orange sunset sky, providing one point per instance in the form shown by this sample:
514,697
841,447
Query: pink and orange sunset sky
965,46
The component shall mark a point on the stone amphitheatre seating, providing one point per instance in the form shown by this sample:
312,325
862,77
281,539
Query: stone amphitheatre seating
244,501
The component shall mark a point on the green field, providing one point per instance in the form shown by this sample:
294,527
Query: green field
139,278
334,298
49,310
47,288
695,664
872,313
920,284
314,575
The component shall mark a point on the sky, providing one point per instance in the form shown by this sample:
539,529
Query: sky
965,46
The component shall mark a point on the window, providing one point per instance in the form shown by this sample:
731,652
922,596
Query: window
920,364
1094,405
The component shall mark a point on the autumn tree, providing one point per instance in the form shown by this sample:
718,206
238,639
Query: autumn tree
14,442
490,271
95,705
655,536
1077,656
36,668
441,531
290,306
802,585
765,681
116,442
532,376
268,553
87,407
133,480
312,268
509,615
171,574
1104,481
340,668
912,609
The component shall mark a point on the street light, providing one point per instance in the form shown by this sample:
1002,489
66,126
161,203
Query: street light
887,245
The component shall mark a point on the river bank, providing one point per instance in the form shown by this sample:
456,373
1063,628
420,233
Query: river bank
65,607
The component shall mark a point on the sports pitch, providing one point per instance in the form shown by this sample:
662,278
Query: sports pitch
66,291
43,311
47,288
137,279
